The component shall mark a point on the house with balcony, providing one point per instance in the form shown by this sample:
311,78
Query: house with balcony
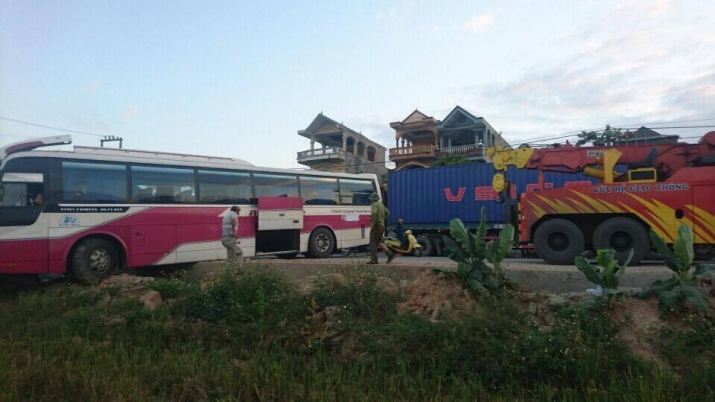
335,147
421,139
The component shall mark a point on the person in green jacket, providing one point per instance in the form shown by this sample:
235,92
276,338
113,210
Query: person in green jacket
378,218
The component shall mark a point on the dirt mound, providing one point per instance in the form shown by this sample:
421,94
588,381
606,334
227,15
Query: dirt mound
135,287
313,282
436,296
639,323
542,306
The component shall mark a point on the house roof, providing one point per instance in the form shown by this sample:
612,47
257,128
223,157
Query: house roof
649,135
320,120
415,118
467,119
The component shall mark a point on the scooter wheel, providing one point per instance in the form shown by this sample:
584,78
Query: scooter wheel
417,252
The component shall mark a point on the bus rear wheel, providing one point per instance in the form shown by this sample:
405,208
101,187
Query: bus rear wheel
558,241
321,243
94,260
622,234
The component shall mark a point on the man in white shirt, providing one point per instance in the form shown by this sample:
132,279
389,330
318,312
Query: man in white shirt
229,237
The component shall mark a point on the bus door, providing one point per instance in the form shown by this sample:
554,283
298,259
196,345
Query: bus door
23,229
280,220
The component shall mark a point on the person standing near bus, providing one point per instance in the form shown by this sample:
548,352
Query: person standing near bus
378,217
229,237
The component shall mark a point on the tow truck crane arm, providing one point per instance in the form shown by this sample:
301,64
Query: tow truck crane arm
661,160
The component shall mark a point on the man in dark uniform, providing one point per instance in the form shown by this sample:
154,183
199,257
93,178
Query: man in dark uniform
378,217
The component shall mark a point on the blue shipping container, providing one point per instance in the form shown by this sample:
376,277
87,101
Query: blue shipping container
432,197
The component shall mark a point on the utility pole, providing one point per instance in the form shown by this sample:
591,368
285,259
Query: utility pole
110,138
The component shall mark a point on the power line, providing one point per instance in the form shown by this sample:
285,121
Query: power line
50,127
632,125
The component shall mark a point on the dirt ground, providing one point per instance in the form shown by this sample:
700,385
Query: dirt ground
534,274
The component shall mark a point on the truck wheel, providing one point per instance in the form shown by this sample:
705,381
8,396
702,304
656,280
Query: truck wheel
426,246
94,260
321,243
558,241
622,234
704,254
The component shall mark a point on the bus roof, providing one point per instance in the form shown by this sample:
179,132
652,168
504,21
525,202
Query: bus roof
28,148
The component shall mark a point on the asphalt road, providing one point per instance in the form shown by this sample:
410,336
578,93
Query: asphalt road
532,273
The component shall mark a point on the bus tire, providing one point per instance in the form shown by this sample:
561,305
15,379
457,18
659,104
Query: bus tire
622,234
93,260
426,246
321,243
558,241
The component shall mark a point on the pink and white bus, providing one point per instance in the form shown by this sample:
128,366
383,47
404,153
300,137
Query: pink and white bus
91,210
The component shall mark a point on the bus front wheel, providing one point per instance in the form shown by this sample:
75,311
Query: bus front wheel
94,260
321,243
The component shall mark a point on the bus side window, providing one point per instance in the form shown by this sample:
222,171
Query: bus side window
355,192
93,182
222,187
319,190
168,181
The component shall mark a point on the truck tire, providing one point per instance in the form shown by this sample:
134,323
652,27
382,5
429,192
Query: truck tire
704,254
94,260
558,241
426,246
321,243
622,234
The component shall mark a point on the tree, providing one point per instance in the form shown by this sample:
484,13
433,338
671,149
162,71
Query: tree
607,137
452,160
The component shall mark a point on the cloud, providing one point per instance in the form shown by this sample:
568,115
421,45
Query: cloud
388,14
130,113
436,28
479,23
628,71
93,87
657,7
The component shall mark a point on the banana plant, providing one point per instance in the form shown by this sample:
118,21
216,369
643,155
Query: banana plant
683,285
608,278
471,250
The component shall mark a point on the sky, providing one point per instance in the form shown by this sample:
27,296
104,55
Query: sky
240,78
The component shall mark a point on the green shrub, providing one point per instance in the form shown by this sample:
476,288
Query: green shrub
609,279
360,295
250,304
683,285
471,250
174,288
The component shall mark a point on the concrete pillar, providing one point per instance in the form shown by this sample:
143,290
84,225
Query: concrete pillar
345,143
312,144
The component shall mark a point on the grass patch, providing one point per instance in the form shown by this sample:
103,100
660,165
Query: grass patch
244,337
